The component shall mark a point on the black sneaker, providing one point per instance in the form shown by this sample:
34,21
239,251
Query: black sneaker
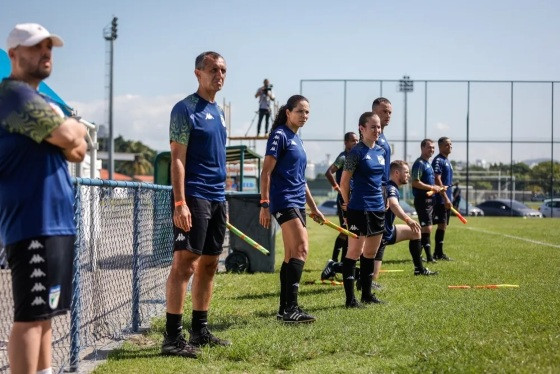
205,337
280,313
424,271
178,347
328,272
354,304
443,257
297,315
371,300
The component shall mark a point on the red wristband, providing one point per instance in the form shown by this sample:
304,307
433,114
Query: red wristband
179,203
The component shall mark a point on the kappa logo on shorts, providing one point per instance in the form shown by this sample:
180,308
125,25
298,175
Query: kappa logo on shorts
35,244
353,227
54,296
295,285
436,217
38,287
180,237
36,259
38,300
278,215
209,116
422,223
37,273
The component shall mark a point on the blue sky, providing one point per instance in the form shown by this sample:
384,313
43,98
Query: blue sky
293,40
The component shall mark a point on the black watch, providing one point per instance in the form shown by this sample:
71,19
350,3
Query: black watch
265,205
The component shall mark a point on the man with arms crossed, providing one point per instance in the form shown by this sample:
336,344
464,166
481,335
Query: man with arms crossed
36,197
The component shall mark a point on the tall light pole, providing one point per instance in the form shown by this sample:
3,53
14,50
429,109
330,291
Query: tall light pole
110,34
406,86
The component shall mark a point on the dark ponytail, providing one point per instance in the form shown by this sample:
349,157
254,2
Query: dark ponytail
281,116
364,118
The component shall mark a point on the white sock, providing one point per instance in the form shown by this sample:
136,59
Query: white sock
45,371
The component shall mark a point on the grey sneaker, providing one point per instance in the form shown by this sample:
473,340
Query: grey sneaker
178,347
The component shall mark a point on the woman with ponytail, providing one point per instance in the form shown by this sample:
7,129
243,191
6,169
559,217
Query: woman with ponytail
284,193
365,206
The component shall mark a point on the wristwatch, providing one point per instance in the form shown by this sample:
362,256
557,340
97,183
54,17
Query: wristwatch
264,204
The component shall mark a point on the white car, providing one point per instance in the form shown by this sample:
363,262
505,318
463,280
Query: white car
550,208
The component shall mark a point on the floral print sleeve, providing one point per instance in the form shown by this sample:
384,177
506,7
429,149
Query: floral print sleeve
180,125
29,113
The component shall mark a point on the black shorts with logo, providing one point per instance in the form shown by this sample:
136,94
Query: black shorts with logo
289,214
364,223
441,215
42,270
425,208
208,230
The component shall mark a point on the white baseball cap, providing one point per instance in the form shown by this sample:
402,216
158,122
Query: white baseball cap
29,34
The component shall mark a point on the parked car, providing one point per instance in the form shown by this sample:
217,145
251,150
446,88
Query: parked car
472,211
407,208
550,208
328,208
506,207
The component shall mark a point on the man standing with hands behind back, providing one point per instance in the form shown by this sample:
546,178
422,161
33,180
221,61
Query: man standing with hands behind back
36,197
198,173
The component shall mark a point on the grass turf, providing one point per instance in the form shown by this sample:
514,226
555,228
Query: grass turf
423,327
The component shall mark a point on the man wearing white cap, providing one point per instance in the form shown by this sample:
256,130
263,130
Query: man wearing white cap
36,197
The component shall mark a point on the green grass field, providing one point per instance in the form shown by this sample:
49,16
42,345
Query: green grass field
423,327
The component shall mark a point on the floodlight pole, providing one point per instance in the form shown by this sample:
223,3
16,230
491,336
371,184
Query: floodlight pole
110,34
405,85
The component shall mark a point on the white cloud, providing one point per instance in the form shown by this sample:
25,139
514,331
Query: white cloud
134,117
442,126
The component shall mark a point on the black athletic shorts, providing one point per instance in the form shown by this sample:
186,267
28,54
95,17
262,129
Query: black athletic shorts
364,223
289,214
425,208
208,230
441,215
42,270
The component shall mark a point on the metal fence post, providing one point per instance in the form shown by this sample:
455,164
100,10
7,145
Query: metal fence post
136,262
75,305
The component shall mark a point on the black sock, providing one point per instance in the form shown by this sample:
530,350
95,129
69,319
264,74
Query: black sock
344,250
337,267
427,245
366,275
293,276
173,325
283,270
439,242
199,319
338,244
415,249
348,266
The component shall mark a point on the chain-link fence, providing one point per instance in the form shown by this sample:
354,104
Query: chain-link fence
122,257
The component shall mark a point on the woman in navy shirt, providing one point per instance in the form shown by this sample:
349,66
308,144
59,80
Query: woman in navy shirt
365,206
284,193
